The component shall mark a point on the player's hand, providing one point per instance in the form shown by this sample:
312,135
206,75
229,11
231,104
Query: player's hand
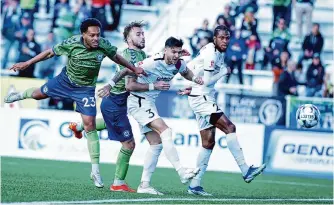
105,91
19,66
199,80
185,91
140,71
185,52
161,85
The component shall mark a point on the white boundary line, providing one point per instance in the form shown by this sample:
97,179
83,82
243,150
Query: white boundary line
169,199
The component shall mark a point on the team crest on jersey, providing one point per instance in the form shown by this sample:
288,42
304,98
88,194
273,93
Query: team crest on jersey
99,57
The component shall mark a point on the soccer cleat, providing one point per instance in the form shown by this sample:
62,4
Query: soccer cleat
73,126
122,188
198,191
12,97
253,172
96,177
188,174
148,190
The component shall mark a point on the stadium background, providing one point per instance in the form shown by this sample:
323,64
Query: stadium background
300,161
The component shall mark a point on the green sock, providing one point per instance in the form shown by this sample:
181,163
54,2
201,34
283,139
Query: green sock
122,164
100,124
93,144
28,93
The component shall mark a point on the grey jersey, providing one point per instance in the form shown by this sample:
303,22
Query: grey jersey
157,70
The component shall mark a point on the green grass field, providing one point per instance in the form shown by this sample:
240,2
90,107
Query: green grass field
31,180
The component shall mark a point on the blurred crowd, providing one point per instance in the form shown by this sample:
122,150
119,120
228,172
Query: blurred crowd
245,44
18,34
18,28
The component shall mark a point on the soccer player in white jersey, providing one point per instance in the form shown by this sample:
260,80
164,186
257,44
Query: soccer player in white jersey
209,65
141,105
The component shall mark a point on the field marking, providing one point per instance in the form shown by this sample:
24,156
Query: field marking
293,183
167,199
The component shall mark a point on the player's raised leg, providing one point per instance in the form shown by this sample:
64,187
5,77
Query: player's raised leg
150,163
208,143
224,124
30,93
93,144
165,132
78,127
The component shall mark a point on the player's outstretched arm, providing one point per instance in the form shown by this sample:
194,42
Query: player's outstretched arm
122,61
40,57
133,85
189,75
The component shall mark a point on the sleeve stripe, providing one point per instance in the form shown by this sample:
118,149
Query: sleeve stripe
209,70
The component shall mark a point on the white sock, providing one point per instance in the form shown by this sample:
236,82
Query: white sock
95,168
170,151
80,126
202,162
235,149
118,182
150,163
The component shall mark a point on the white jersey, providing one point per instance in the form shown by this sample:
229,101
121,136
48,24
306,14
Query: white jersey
157,70
208,59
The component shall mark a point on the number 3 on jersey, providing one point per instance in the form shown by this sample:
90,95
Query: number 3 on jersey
151,114
89,102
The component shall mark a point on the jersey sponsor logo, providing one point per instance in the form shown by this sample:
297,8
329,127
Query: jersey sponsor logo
99,57
33,134
167,79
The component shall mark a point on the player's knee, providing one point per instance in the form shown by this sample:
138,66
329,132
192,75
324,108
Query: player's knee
89,126
38,95
130,145
208,144
231,128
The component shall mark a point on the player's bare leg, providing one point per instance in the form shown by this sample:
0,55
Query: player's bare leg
78,127
122,166
224,124
208,143
93,144
150,163
30,93
165,133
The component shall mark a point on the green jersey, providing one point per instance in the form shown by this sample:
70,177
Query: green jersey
133,56
84,64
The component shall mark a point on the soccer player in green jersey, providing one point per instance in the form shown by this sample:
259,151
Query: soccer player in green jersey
77,80
114,108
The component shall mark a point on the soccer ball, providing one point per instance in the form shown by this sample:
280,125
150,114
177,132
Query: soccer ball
308,115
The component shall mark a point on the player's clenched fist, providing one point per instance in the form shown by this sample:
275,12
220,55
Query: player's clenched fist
199,80
19,66
140,71
161,85
105,91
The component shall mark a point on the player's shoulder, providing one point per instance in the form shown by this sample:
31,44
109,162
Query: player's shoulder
158,57
72,40
209,48
104,43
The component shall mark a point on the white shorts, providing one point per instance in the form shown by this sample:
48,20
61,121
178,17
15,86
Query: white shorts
203,106
143,111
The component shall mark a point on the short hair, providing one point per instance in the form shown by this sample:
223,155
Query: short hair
221,28
173,42
316,24
130,26
89,22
